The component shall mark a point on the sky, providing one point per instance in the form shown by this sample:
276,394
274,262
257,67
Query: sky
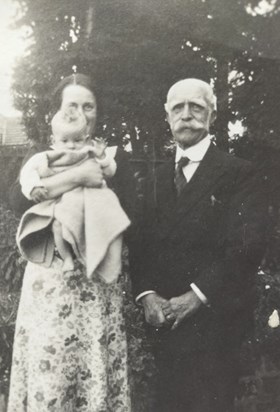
12,46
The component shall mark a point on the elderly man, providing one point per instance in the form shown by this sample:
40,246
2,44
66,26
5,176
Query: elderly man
202,241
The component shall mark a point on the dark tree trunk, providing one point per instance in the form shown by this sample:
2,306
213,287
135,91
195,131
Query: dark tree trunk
222,93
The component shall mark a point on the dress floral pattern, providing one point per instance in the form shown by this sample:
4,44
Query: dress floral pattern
70,349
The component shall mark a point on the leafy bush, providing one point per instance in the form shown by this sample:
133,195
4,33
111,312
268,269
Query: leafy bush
11,273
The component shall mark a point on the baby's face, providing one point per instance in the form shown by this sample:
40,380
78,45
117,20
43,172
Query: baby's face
72,141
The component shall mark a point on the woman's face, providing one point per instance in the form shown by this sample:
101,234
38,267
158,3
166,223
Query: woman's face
83,100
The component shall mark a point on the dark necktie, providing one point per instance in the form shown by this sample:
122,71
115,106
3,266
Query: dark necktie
180,180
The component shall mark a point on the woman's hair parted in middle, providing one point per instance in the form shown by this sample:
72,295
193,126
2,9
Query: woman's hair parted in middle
78,79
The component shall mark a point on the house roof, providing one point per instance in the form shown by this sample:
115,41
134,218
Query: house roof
12,131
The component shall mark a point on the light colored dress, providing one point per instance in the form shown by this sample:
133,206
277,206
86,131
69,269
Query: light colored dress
70,348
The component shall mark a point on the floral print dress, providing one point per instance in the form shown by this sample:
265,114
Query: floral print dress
70,349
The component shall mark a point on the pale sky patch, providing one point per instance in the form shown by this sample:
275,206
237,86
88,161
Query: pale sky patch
12,46
235,129
264,7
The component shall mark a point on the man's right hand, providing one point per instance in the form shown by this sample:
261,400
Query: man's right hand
152,304
89,174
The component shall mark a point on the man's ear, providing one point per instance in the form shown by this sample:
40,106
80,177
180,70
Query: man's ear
166,112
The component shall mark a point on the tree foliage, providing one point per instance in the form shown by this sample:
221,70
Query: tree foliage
136,50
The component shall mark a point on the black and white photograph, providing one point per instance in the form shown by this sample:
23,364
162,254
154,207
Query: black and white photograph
139,206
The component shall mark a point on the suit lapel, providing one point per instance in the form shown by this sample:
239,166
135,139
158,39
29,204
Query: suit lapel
173,210
210,169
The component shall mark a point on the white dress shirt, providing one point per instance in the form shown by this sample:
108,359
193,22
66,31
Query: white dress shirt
195,153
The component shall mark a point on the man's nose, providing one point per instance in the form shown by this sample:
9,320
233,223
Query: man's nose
186,114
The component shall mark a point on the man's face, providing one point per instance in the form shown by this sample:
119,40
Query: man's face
189,111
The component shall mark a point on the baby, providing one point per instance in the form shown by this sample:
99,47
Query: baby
69,215
69,133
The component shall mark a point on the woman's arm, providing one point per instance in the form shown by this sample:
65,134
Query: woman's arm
87,174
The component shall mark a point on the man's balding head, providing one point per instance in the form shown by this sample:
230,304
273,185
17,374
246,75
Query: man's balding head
191,83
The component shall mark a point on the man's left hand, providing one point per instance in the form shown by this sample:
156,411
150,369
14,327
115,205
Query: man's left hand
184,306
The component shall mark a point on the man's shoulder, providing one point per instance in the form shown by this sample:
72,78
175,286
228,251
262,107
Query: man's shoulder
230,160
214,156
241,171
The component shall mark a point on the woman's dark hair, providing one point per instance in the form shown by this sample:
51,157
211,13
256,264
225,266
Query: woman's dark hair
74,79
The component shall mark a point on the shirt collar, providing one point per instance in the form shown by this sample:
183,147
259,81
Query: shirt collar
196,152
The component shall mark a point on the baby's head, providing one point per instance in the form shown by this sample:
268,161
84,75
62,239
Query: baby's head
69,130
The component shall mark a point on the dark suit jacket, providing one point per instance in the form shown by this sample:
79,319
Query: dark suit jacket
212,235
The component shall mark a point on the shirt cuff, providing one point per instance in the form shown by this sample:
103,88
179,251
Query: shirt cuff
199,294
147,292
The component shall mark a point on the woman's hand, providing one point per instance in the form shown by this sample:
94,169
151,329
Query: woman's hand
89,174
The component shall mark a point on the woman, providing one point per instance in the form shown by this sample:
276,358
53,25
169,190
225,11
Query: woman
70,350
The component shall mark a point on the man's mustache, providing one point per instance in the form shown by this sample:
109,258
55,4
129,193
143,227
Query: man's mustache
195,126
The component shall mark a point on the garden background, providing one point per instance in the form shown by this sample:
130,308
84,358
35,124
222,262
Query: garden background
135,50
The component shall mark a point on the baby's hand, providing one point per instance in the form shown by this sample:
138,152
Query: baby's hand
39,194
86,149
